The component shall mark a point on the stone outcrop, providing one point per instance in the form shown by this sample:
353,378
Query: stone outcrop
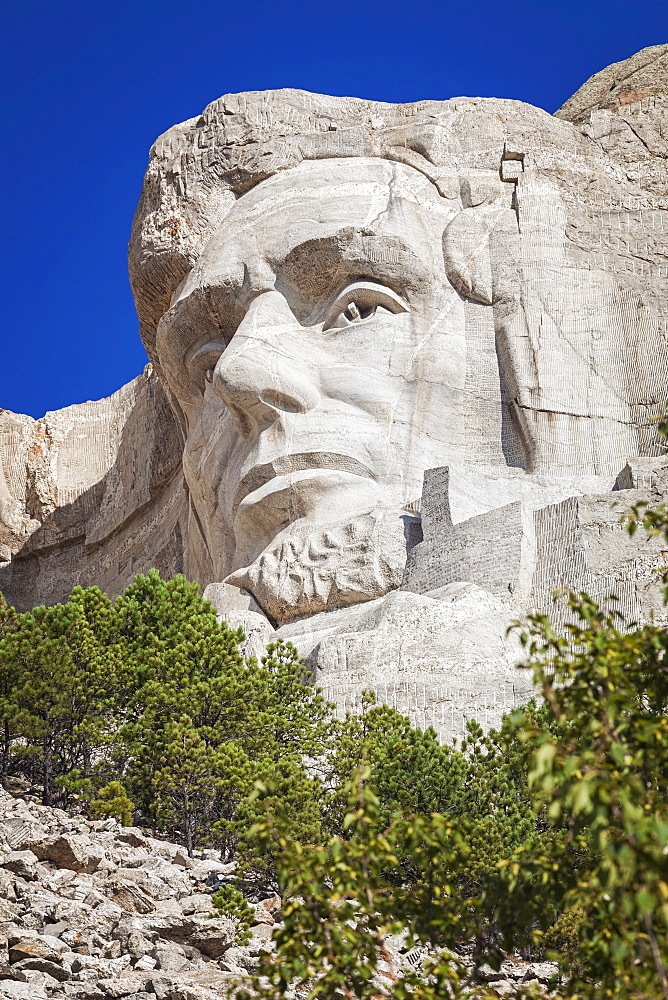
406,361
643,76
134,920
84,489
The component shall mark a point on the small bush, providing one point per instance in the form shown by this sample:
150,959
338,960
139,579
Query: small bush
229,902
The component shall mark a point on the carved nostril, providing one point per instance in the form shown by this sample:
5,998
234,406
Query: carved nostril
281,401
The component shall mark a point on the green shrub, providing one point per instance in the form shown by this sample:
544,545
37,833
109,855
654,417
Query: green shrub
229,902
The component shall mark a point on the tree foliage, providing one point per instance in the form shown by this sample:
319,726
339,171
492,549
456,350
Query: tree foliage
549,837
145,705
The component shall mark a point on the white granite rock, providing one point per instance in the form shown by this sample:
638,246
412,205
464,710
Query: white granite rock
344,302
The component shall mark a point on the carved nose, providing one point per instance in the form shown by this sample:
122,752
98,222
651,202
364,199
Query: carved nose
258,374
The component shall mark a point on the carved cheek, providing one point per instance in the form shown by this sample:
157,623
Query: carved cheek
442,360
362,387
211,446
438,352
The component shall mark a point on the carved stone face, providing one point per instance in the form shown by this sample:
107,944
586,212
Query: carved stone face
317,350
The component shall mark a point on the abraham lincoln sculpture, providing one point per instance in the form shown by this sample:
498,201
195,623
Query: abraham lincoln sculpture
406,359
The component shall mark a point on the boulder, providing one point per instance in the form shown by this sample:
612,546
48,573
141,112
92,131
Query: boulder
136,945
124,986
53,969
203,869
146,963
260,939
55,929
544,972
19,832
76,852
268,911
168,908
31,945
169,956
212,937
128,895
132,836
11,972
104,918
7,885
78,941
172,928
237,960
94,967
24,864
182,859
17,990
164,988
200,902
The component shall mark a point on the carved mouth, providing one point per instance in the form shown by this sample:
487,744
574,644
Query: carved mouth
327,461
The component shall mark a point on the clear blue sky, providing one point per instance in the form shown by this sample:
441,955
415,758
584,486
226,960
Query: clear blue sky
87,87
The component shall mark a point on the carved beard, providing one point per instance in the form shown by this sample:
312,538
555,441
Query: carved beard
312,568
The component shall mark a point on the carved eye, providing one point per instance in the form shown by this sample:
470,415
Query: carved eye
202,361
354,313
361,301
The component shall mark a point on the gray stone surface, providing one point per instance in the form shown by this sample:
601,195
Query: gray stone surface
624,83
405,365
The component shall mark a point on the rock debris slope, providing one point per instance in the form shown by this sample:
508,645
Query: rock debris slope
93,910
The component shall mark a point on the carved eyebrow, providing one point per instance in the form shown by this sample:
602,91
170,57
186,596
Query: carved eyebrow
318,267
191,322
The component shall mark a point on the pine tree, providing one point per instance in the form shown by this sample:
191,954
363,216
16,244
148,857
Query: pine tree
202,725
64,661
10,678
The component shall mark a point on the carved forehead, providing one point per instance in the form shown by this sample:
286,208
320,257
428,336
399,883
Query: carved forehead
317,199
314,178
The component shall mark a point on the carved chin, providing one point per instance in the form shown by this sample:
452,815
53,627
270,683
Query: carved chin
311,569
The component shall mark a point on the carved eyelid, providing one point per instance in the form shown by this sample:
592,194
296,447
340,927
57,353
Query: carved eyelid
199,351
365,294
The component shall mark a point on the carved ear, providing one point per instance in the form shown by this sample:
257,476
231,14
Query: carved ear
466,252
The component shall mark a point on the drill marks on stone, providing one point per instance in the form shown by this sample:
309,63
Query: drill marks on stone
446,709
644,106
578,543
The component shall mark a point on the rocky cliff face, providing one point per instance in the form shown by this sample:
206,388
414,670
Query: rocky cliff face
94,910
519,323
81,491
